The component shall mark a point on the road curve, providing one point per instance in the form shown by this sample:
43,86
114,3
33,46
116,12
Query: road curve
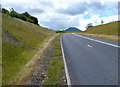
89,60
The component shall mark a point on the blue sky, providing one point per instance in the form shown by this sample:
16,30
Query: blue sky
62,14
87,16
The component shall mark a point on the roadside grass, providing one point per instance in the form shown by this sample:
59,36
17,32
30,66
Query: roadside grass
56,52
108,29
103,36
15,57
56,68
55,71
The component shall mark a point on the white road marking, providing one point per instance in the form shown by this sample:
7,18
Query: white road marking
65,64
89,46
98,41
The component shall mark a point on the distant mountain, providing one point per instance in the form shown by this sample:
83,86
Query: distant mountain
73,29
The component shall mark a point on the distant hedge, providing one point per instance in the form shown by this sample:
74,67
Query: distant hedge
24,16
60,31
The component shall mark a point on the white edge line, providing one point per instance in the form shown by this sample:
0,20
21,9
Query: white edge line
98,41
65,65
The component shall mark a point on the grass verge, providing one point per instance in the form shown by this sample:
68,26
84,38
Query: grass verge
56,69
109,31
103,36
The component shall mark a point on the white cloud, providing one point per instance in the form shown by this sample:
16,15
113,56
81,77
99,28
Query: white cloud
110,19
96,20
61,14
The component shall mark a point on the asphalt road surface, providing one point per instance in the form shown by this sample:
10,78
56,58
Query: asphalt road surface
89,60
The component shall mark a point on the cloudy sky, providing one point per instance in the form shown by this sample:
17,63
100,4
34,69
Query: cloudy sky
62,14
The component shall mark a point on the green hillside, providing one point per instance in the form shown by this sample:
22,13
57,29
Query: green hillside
108,29
21,40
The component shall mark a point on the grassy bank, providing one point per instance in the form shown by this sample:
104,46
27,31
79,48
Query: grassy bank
56,69
109,31
15,56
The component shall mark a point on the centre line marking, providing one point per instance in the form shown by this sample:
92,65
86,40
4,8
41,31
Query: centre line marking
89,45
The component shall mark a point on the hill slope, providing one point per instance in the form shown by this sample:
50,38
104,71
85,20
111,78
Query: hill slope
73,29
108,29
21,40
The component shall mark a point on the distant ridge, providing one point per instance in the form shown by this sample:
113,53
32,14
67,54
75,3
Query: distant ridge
73,29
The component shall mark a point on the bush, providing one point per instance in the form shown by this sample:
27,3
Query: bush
60,31
35,20
5,11
21,16
13,14
89,25
25,16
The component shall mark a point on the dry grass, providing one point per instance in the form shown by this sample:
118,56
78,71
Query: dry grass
103,36
107,29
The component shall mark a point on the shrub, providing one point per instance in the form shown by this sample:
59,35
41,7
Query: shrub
5,11
24,16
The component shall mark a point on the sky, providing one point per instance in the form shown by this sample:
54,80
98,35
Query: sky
62,14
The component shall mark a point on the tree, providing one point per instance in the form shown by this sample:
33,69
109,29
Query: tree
21,16
5,11
26,14
89,25
35,20
13,13
101,21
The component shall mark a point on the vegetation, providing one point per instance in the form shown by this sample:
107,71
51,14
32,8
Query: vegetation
103,36
5,11
56,69
25,16
15,57
89,25
57,51
108,29
60,31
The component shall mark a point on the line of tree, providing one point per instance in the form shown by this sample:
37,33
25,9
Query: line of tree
24,16
60,31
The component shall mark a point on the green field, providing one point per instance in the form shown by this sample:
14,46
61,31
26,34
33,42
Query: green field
15,56
108,29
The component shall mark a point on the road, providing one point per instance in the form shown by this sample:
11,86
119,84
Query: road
90,60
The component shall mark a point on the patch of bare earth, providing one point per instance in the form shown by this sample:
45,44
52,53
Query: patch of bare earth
40,69
9,38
